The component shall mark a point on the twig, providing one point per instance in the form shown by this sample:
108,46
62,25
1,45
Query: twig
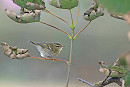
111,80
107,76
78,14
81,30
84,81
56,28
99,84
57,17
53,59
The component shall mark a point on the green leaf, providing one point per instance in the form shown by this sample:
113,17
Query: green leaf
68,4
116,71
127,79
64,4
121,71
116,68
116,6
15,51
31,4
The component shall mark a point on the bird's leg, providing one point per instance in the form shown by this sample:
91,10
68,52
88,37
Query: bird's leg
54,59
44,58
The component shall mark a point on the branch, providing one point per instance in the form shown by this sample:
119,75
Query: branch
81,30
107,76
56,28
101,83
84,81
57,17
78,14
53,59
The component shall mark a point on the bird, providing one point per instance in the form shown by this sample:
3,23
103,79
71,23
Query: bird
48,49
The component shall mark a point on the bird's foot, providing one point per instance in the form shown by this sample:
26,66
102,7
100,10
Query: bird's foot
54,59
44,58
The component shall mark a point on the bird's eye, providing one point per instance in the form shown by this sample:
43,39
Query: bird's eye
57,46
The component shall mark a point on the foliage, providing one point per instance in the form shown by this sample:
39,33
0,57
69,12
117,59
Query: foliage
31,4
121,68
64,4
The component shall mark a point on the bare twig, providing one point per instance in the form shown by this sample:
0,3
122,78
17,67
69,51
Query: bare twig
84,81
53,59
56,28
111,80
57,17
107,76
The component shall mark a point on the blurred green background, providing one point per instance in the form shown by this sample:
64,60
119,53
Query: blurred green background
104,39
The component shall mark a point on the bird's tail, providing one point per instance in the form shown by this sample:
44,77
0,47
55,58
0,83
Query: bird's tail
31,42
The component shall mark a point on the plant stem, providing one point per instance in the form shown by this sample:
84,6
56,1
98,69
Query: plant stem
69,65
78,14
56,28
50,59
81,30
71,46
57,17
72,27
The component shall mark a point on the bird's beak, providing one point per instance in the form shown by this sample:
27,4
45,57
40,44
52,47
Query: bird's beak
63,46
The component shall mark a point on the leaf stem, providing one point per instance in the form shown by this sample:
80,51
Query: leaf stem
81,30
57,17
56,28
72,27
69,66
50,59
78,14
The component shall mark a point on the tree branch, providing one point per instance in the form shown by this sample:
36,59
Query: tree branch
107,76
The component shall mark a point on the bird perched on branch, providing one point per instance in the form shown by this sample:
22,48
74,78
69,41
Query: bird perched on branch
48,50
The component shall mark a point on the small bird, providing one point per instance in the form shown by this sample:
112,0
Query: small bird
48,50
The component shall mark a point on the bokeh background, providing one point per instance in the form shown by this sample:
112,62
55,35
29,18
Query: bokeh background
104,39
